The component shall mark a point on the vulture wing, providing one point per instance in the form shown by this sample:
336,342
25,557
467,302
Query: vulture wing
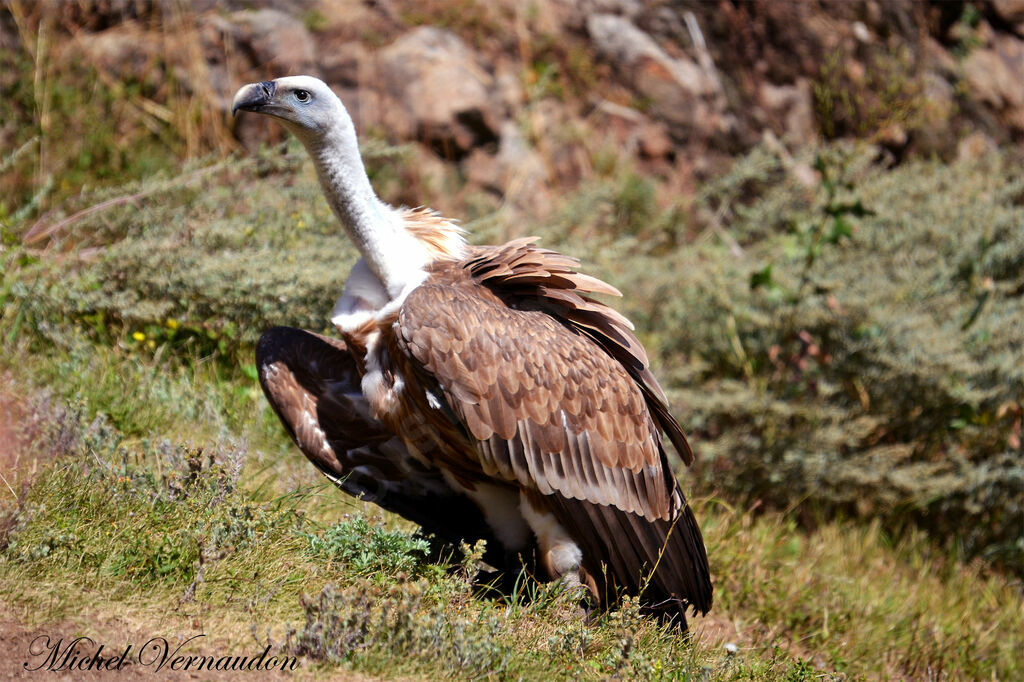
313,384
554,390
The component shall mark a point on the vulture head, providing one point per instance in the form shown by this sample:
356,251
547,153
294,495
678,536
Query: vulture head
315,115
304,104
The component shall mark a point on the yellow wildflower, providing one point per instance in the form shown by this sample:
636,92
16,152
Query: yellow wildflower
172,323
139,336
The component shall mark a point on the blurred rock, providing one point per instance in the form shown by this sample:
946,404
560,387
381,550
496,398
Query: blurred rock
626,8
338,14
507,87
344,64
278,41
983,33
555,132
694,80
422,173
631,50
126,52
861,32
993,76
442,94
793,106
681,93
1011,11
933,136
938,58
632,131
482,169
974,146
618,124
574,14
517,172
654,141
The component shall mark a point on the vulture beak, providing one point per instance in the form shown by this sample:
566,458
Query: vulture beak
254,96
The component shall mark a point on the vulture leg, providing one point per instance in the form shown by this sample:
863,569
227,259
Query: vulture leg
313,385
557,554
679,577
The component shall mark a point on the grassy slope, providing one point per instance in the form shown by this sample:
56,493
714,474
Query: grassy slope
165,486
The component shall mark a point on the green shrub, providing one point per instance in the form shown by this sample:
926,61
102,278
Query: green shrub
365,549
880,376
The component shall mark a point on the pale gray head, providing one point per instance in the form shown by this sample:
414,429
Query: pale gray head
304,104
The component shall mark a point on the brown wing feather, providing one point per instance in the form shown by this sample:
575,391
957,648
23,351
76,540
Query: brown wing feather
565,406
312,383
521,274
611,432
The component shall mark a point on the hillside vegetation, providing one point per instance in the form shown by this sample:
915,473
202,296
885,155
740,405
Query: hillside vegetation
839,329
134,334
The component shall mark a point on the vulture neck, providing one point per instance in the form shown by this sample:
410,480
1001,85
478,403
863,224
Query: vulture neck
393,255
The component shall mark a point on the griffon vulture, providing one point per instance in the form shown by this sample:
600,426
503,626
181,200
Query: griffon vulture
480,391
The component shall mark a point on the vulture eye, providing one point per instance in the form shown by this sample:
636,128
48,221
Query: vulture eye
302,96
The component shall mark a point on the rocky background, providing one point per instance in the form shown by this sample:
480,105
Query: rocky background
516,96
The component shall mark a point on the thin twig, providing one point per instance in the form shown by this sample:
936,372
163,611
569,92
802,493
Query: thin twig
10,160
707,63
715,225
8,486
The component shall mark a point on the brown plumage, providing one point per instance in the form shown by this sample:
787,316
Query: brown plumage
555,397
482,392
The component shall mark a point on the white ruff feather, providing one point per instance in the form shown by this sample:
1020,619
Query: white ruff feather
390,252
364,295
